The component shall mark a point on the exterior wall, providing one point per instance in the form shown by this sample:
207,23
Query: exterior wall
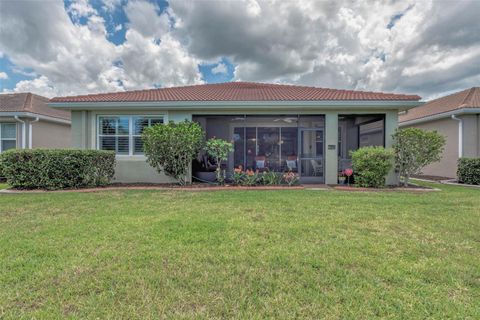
135,169
447,167
46,134
471,135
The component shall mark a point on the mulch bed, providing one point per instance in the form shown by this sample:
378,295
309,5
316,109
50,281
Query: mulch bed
210,187
166,186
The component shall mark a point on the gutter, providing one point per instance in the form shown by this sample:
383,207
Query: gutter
241,105
24,128
460,135
35,115
30,134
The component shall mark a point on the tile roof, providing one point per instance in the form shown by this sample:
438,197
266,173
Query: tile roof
469,98
29,102
237,91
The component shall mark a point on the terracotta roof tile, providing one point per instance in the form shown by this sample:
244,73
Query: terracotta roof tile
29,102
237,91
469,98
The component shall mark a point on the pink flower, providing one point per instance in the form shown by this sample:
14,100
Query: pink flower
348,172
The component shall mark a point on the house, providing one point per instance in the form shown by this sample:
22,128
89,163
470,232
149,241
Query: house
26,122
457,117
280,127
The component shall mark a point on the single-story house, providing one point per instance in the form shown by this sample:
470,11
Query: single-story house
280,127
457,117
26,122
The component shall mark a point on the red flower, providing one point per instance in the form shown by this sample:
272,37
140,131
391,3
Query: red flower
348,172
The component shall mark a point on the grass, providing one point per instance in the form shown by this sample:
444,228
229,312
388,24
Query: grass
240,254
3,186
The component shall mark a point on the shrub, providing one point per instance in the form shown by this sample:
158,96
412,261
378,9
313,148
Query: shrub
251,178
271,178
291,178
172,147
469,170
219,150
238,176
57,169
371,165
414,149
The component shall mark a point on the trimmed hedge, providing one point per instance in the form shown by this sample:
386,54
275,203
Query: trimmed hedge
57,169
468,170
371,166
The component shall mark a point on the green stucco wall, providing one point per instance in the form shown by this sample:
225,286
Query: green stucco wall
135,169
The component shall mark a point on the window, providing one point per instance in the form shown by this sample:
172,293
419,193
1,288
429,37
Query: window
8,136
123,134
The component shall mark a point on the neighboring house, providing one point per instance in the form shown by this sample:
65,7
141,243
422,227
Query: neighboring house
26,122
280,127
457,117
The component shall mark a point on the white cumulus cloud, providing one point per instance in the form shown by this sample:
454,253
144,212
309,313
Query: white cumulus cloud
425,47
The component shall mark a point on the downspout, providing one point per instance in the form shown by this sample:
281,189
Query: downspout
460,135
30,135
24,129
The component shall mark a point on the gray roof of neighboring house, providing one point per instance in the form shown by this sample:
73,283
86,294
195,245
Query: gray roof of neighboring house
466,99
29,102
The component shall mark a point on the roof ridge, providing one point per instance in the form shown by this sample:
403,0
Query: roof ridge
468,97
28,101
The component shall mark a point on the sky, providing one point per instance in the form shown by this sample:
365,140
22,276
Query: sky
57,48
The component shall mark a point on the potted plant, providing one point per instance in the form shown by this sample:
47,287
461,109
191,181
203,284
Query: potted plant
342,178
348,172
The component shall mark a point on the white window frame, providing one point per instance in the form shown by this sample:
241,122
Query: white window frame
131,135
7,139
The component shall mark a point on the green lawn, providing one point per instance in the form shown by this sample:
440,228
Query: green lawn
241,254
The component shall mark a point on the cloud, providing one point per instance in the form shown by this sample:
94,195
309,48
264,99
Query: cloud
3,75
75,58
220,68
423,47
413,46
41,86
144,18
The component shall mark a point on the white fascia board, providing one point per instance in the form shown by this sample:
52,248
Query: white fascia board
34,116
235,105
440,116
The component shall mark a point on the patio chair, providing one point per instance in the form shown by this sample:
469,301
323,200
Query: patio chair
260,162
292,163
317,167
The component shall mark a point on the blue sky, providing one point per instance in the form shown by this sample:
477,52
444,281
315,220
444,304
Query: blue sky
86,46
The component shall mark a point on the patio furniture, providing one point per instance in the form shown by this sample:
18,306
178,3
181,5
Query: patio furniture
260,162
317,167
292,163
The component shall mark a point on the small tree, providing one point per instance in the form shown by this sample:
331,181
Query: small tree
172,147
219,150
414,149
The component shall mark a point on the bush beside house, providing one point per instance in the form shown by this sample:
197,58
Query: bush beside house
172,147
57,169
414,149
469,170
371,166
